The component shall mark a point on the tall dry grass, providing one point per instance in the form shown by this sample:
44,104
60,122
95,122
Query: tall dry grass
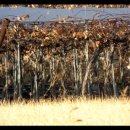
77,112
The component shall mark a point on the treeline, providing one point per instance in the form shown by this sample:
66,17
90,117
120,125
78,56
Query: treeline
60,59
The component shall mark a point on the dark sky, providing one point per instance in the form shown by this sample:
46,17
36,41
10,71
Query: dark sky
50,14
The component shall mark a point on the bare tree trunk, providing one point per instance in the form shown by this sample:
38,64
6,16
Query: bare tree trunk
15,77
5,90
112,70
35,81
80,75
120,64
106,74
53,78
43,73
62,79
87,71
51,68
75,65
19,71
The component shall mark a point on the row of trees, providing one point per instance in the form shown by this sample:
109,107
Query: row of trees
58,59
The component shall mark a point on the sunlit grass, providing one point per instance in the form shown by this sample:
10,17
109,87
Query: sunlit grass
67,112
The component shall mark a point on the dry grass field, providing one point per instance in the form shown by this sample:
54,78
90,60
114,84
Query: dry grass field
67,112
